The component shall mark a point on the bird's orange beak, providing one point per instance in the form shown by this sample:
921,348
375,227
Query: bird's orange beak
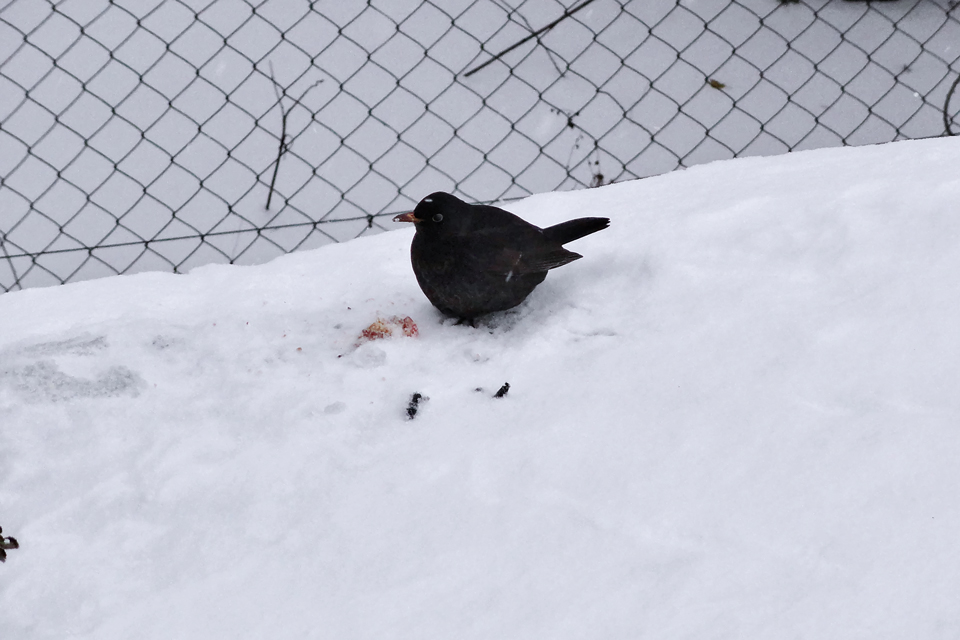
407,217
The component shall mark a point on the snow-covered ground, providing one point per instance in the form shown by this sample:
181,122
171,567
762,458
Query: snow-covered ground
737,417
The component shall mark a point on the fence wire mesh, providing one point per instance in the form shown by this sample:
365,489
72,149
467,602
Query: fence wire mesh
142,135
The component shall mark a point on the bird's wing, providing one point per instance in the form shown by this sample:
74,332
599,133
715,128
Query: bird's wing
492,253
536,261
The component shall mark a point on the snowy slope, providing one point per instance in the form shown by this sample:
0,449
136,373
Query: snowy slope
737,417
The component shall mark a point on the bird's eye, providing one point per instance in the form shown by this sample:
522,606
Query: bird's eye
437,217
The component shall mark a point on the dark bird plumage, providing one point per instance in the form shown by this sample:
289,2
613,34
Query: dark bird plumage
473,259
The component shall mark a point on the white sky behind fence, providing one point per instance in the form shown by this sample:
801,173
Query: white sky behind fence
141,135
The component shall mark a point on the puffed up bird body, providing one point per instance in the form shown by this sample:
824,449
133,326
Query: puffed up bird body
471,260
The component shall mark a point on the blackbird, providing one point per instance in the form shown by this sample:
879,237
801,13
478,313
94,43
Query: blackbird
473,259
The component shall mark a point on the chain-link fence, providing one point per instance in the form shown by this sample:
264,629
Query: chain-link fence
164,134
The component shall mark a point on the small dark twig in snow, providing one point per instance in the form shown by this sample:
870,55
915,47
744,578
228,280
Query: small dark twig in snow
414,405
7,543
502,391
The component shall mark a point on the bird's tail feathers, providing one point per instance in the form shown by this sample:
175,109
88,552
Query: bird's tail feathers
572,229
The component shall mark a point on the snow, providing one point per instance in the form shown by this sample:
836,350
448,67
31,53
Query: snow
736,416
